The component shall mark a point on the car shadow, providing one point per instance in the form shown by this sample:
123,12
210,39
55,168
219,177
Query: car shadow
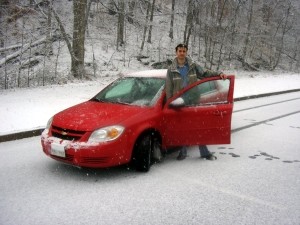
91,174
65,171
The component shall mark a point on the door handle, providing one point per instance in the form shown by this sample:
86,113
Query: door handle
219,113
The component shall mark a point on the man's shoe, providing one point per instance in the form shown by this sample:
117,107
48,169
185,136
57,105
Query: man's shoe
209,157
181,157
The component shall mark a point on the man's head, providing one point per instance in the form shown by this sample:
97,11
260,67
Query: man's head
181,46
181,52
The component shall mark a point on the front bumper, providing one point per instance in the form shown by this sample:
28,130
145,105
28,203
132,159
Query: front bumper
94,155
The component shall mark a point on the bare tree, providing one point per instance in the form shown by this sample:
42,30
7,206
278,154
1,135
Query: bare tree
49,28
148,5
121,23
151,20
171,35
189,22
284,29
77,67
248,31
233,27
48,43
222,11
131,7
261,34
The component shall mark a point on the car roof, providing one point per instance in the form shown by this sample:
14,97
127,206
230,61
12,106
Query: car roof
159,73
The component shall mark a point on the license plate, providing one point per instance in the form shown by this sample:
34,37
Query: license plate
58,150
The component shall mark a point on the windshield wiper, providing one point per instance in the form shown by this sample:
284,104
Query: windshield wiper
118,102
97,100
109,101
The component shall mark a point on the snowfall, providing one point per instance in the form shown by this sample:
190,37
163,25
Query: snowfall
35,189
30,108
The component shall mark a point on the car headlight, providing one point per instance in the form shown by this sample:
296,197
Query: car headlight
49,123
46,131
106,134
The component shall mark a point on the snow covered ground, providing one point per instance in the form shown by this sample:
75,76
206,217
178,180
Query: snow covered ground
254,181
30,108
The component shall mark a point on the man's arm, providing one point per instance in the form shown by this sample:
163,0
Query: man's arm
201,73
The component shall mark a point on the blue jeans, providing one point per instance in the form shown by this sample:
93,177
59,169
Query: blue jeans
183,151
204,151
202,148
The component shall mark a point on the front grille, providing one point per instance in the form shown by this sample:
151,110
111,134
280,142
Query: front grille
66,134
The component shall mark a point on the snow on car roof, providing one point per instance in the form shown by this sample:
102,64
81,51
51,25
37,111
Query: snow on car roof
161,73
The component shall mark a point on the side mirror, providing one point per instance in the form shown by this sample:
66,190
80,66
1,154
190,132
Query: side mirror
177,103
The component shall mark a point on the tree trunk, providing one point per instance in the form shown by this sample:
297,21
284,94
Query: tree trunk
49,29
222,12
171,35
131,7
247,38
285,29
151,20
77,67
233,29
189,22
64,34
88,9
145,26
121,24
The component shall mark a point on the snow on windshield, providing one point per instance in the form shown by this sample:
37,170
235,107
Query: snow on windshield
132,90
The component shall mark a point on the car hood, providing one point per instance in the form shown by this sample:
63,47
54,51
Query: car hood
90,115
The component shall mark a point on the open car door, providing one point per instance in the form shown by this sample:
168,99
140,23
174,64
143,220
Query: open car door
200,114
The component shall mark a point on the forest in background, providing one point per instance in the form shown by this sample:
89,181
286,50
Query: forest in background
46,42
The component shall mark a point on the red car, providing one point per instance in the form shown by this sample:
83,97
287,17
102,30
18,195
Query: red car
131,121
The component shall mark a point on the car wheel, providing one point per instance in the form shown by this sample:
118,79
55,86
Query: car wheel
143,152
157,154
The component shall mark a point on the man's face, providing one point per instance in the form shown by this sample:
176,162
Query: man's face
181,53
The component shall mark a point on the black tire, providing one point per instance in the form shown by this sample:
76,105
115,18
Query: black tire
157,153
143,152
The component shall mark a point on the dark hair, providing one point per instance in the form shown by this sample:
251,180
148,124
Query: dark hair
181,46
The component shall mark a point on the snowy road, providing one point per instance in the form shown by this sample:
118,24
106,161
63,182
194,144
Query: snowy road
256,179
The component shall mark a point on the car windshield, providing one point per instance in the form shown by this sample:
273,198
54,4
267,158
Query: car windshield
139,91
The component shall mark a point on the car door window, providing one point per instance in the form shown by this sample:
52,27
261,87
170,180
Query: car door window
207,93
149,90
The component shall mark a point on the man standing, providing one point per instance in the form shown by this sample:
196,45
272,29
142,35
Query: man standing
182,73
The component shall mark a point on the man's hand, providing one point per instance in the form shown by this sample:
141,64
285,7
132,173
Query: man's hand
223,76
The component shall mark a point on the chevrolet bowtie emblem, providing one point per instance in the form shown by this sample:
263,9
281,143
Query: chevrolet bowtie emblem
64,133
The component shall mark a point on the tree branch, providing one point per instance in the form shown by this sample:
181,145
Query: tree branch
64,33
25,47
